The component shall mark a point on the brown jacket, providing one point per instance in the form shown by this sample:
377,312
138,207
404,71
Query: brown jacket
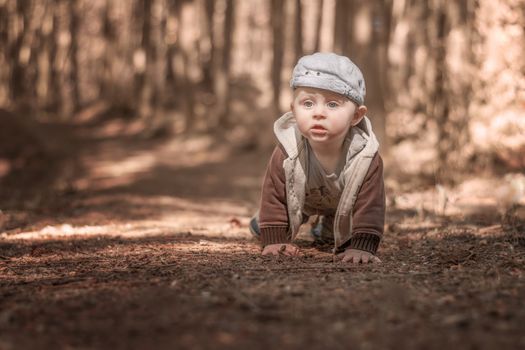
368,212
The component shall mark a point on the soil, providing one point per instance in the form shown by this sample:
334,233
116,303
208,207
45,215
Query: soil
147,246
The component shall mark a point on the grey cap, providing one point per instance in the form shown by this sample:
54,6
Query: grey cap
329,71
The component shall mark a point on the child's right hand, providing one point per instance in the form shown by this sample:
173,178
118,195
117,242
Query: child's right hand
281,249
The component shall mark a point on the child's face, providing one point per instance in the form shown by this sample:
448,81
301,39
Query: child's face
324,116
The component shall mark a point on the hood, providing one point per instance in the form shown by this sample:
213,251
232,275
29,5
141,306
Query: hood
288,134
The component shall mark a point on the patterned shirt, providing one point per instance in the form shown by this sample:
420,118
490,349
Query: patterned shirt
323,190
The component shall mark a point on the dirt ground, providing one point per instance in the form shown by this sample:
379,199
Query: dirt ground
147,247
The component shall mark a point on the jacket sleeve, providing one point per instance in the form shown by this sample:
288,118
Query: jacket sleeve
368,217
273,213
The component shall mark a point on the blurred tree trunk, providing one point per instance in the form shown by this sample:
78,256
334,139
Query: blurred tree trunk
180,61
4,54
412,70
109,35
344,14
18,53
318,25
43,65
360,35
298,30
74,74
144,89
157,69
61,68
28,36
376,61
441,104
222,74
54,97
173,9
151,76
208,59
384,34
456,61
176,73
277,11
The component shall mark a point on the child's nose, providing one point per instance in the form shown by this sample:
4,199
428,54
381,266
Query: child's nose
319,112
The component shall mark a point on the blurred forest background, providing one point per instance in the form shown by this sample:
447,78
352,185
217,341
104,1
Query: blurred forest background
134,135
445,80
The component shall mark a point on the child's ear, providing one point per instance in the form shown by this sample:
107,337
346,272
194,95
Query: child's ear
359,114
291,106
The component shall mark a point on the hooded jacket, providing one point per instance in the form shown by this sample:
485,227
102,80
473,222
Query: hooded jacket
359,219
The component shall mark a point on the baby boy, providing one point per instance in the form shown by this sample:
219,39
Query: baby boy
326,164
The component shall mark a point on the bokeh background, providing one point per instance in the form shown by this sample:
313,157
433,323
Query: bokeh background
134,137
446,80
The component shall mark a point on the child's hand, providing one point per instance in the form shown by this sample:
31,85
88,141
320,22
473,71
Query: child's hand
281,249
356,256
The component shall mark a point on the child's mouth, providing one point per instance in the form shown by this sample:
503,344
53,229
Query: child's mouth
318,130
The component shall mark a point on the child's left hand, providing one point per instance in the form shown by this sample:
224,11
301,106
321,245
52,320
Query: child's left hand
356,256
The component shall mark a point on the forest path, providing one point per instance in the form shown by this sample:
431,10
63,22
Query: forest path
151,249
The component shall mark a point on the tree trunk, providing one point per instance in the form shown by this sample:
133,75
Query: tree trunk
373,67
43,60
109,34
55,96
208,61
224,75
173,9
318,25
74,73
158,125
343,26
298,30
148,94
18,81
4,53
277,10
4,31
441,105
183,63
61,59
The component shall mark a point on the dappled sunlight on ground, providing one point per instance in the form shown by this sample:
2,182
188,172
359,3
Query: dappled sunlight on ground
222,219
209,227
155,238
487,196
116,167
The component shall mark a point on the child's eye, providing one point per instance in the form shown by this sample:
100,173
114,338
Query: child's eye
333,104
308,104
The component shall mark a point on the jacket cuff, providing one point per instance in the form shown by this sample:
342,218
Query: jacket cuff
274,235
368,242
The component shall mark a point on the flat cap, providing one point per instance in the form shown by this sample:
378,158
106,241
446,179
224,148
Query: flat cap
329,71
